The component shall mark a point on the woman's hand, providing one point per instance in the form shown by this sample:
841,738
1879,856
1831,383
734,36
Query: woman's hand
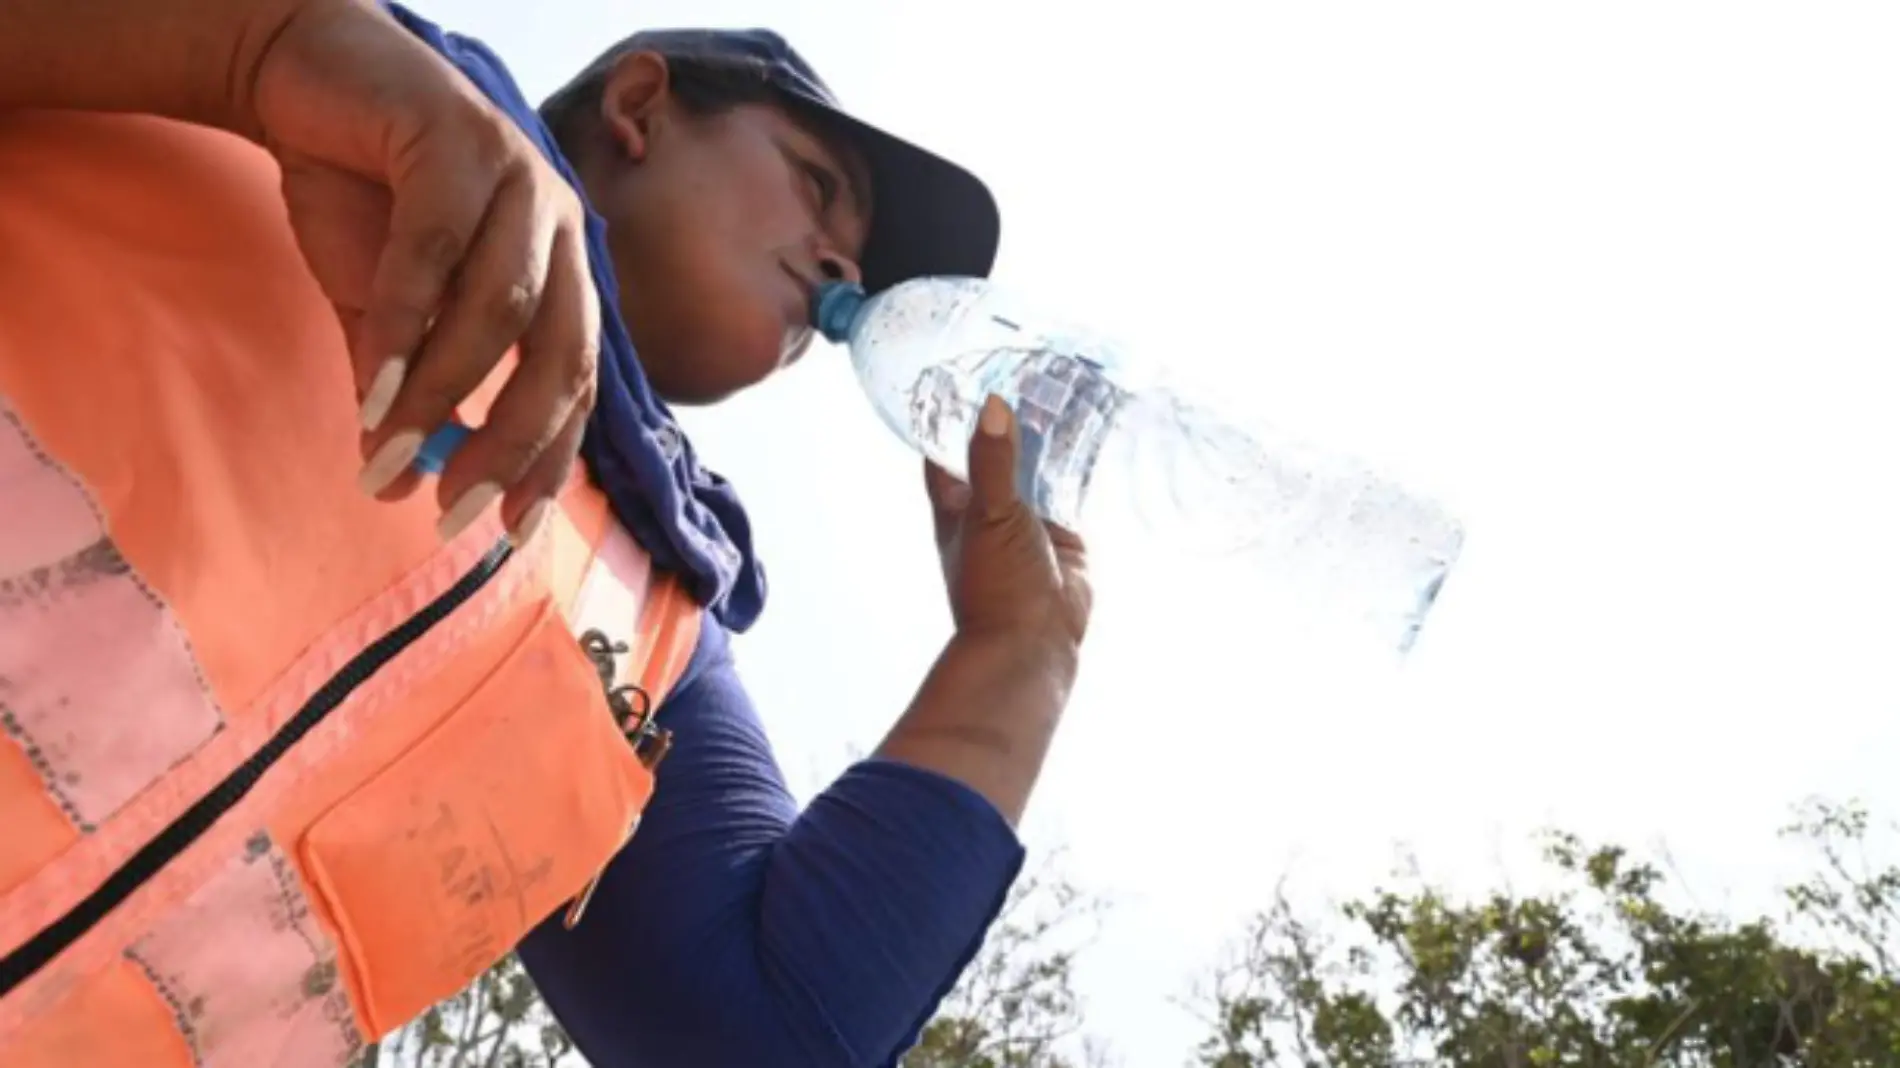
432,224
443,239
1011,577
1019,594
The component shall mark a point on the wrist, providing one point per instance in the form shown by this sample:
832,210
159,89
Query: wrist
1009,653
986,714
188,61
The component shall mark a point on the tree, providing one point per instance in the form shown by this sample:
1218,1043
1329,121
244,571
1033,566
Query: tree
1602,971
499,1021
1015,1006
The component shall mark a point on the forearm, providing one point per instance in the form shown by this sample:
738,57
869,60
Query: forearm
186,59
985,716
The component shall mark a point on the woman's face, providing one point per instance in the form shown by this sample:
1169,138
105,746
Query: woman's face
720,228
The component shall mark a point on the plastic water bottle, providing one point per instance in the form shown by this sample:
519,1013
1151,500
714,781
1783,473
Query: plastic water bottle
1099,447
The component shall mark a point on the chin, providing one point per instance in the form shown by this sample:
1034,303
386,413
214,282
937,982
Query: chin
691,398
706,370
698,384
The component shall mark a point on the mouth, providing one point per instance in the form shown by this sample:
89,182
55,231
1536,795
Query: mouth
798,313
804,289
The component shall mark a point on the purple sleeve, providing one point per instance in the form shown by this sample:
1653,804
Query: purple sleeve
735,929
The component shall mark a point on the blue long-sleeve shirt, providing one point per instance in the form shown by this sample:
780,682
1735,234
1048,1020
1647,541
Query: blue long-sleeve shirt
736,930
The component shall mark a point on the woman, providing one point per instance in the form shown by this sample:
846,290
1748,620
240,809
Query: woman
324,757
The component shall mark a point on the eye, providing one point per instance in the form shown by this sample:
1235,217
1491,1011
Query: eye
823,182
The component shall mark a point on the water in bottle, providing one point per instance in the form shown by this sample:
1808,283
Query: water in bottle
1101,440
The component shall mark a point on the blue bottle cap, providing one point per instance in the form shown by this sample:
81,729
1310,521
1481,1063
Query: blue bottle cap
435,452
835,309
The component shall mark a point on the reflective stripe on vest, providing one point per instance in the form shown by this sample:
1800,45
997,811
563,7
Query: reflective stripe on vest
279,769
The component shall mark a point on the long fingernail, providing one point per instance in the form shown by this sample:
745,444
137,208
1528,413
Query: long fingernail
995,418
531,522
467,509
382,391
389,462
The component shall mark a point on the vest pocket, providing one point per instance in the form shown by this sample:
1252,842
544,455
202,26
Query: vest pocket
438,865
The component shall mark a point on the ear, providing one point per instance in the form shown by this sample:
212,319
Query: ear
634,96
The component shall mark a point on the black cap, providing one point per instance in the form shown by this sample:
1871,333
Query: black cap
930,216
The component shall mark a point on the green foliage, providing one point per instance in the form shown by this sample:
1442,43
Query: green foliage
1604,971
498,1022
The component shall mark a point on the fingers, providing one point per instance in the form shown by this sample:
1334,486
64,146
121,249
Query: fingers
434,218
996,475
993,451
1067,543
523,281
1008,572
560,370
990,493
425,208
522,452
527,509
949,499
494,298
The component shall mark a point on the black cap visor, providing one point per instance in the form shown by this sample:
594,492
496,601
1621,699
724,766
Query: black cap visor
928,215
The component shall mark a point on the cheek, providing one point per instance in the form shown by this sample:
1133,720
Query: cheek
707,325
733,298
703,295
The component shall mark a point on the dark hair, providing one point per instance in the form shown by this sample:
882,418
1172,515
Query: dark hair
703,87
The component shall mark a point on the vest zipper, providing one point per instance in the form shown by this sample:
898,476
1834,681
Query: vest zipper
43,947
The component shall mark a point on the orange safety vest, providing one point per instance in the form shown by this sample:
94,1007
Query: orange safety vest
278,769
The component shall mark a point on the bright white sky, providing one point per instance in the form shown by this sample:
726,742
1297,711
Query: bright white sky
1617,281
